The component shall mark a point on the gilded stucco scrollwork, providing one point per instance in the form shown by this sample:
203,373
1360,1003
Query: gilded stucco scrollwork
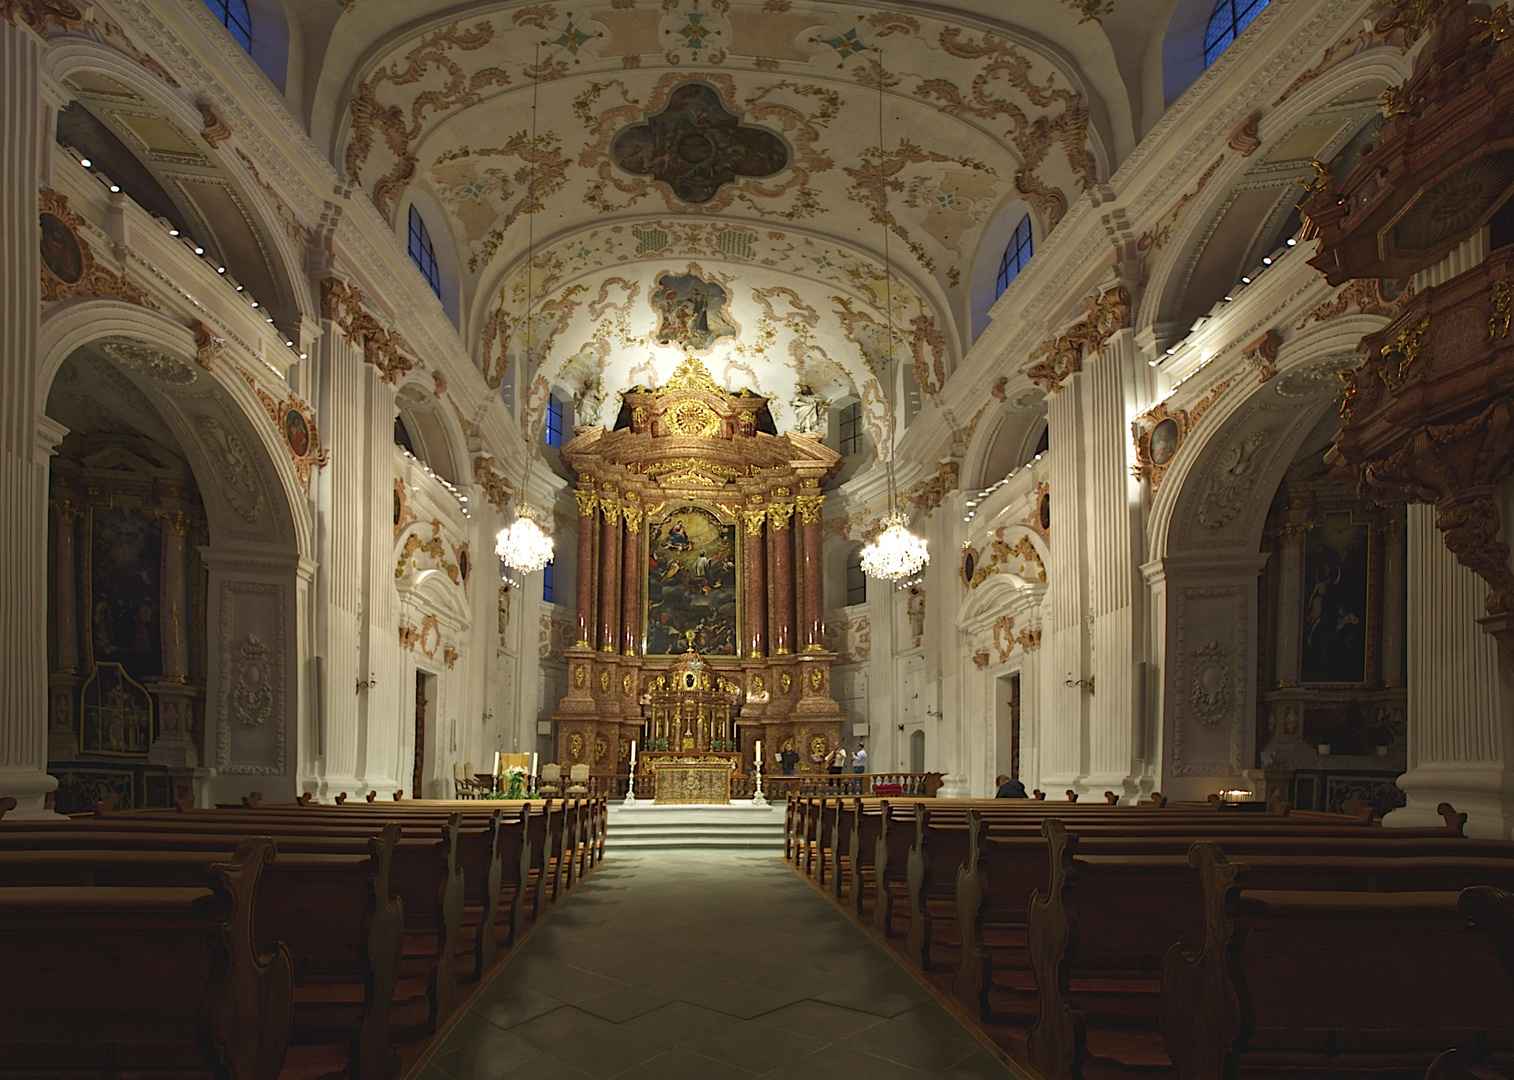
1057,358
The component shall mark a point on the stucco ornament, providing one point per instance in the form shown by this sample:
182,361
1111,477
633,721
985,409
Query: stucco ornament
252,695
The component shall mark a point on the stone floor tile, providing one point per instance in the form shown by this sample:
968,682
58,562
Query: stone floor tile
682,1064
622,1004
756,1047
819,1019
505,1004
879,995
743,999
834,1063
680,1022
924,1047
487,1059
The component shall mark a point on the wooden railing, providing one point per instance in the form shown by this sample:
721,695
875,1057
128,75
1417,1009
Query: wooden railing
920,785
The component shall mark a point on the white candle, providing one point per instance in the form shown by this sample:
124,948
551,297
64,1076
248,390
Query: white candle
533,762
759,753
496,763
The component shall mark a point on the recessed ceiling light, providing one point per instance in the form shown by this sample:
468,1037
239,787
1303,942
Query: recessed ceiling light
220,269
1245,280
115,189
1266,260
1291,241
86,162
199,250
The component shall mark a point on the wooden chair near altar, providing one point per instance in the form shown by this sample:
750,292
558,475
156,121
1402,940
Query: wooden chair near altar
551,779
578,780
464,785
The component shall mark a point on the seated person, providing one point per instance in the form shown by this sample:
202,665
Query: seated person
1009,788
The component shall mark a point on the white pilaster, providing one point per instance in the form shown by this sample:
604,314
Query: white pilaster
24,450
1461,699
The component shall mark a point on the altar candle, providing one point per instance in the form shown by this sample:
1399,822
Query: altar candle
496,763
533,762
633,755
759,752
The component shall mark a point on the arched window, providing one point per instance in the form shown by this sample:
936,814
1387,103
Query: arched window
234,14
553,431
856,580
1229,18
421,251
850,429
1016,255
546,584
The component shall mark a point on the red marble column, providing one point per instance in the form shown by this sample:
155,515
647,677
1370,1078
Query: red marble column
609,574
631,573
587,504
781,543
812,604
756,584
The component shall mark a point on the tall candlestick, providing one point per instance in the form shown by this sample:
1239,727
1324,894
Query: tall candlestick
759,753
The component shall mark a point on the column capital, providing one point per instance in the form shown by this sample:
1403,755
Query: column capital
779,514
754,519
633,516
809,507
611,509
175,522
67,512
588,501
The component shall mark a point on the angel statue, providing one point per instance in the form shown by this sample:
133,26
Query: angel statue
809,411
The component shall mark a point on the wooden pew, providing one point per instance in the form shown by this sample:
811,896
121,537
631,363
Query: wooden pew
1006,863
177,986
425,873
335,914
491,851
1097,933
1278,982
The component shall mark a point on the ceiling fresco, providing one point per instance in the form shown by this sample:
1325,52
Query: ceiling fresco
798,139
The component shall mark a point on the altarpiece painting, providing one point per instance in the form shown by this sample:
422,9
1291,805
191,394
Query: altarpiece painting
1334,631
691,584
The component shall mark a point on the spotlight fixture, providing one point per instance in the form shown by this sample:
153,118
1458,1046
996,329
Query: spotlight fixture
86,163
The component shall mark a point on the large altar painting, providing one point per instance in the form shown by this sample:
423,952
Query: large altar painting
1334,648
691,583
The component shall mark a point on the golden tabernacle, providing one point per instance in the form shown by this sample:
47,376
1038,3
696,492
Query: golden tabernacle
691,747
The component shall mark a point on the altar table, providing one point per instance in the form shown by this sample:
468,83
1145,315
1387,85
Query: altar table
692,779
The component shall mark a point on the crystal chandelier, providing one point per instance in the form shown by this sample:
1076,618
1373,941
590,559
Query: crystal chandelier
524,545
895,553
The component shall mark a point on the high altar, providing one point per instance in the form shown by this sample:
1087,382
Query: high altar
699,556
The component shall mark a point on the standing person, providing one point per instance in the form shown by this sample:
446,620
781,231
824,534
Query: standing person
788,759
859,759
836,761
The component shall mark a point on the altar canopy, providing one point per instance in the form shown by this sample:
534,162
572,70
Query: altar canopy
699,535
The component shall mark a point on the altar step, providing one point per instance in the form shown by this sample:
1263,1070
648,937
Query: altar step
737,826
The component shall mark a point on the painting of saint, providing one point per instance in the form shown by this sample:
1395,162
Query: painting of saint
1334,631
125,553
1164,441
691,584
296,433
690,312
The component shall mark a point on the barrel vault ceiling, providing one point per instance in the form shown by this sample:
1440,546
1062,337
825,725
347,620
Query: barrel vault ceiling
732,144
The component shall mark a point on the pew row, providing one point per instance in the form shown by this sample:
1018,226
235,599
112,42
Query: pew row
182,989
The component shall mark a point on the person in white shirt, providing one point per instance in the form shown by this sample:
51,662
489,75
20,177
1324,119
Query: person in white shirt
836,761
859,759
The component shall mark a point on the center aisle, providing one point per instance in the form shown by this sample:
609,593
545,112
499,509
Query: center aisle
704,966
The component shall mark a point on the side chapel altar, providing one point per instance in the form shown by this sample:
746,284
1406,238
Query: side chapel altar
699,591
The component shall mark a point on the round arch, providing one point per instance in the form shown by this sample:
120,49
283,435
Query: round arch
284,258
1161,299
